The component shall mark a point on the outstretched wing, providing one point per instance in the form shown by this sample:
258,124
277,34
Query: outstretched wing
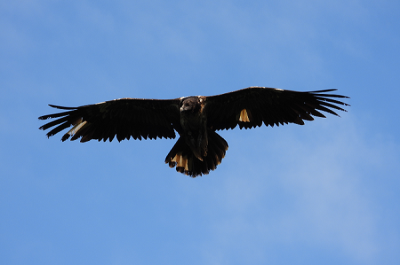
253,106
123,118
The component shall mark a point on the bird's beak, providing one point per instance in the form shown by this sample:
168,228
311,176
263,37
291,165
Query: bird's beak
184,108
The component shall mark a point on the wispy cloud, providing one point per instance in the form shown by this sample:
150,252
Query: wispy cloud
327,203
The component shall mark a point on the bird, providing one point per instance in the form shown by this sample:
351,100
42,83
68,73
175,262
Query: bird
199,148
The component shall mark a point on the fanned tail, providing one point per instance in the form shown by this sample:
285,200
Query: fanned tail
182,157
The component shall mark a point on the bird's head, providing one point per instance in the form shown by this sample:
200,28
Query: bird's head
190,105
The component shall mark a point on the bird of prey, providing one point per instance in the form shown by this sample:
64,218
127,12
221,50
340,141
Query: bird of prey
199,148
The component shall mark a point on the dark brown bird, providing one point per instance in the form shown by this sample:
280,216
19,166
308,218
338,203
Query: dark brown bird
199,148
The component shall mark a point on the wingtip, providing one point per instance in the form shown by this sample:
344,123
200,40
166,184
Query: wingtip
61,107
65,137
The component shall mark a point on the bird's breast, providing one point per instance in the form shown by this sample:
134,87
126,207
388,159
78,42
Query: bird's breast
191,121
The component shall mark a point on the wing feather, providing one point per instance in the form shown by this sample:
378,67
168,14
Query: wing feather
270,106
120,118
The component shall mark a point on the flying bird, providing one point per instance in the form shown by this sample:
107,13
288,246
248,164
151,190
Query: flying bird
196,119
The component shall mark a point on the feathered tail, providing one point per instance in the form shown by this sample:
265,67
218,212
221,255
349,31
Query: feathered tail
182,157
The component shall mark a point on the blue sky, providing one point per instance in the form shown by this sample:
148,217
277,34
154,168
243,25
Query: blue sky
323,193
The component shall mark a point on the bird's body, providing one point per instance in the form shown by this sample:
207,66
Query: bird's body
199,148
194,125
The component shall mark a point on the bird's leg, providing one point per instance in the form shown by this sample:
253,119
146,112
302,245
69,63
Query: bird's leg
192,141
202,141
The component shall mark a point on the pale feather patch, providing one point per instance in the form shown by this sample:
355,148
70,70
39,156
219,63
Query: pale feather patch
76,128
243,117
180,162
